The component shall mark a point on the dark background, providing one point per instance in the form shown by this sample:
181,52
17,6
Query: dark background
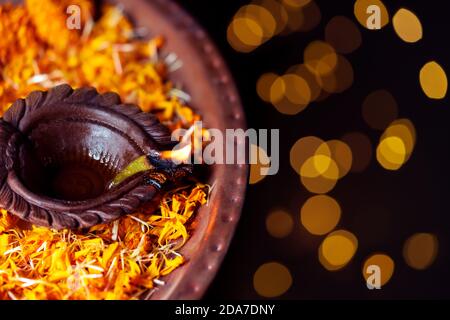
382,208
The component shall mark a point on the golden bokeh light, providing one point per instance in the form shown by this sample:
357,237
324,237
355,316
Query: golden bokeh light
322,154
319,184
262,16
296,3
297,89
319,173
264,84
303,149
277,11
272,279
320,165
341,153
343,35
396,144
286,107
244,34
320,214
312,16
384,262
315,166
407,25
251,26
361,148
279,223
332,159
290,94
302,15
405,130
277,90
320,58
296,19
391,153
420,250
303,72
248,31
339,79
337,249
379,109
433,80
366,17
258,161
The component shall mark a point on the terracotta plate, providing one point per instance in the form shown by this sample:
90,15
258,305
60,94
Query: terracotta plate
206,78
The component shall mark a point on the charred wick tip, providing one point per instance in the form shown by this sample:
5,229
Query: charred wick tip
173,170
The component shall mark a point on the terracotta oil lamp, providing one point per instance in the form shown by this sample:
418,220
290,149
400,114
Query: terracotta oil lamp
61,149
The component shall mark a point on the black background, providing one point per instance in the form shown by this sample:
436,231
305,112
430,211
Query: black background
380,207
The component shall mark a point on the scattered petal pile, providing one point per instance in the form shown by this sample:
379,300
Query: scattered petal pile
119,260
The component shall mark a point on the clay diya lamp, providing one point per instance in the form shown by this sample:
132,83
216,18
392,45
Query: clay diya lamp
61,149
